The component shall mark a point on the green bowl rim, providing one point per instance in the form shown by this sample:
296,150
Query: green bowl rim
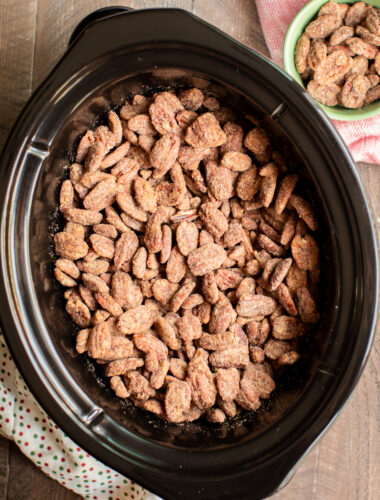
334,112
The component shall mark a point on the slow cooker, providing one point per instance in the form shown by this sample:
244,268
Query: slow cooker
112,54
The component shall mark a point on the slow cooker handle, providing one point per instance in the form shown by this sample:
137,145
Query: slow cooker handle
96,15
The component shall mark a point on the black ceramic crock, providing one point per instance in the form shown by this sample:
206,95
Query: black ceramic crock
113,54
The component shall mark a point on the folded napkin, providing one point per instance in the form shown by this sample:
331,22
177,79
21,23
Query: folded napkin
24,421
363,136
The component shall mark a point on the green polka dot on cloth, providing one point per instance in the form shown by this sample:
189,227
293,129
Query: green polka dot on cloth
23,420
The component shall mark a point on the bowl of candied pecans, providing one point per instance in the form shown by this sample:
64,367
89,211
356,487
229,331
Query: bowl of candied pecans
189,267
332,50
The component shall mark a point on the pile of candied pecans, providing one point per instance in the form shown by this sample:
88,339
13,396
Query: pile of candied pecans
188,257
338,56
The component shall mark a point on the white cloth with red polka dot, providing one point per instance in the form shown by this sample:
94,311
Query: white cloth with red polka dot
24,421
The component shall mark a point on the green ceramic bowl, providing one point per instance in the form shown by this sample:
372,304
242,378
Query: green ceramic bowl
295,30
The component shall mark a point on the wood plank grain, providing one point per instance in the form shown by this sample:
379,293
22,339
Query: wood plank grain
238,18
57,20
4,467
27,481
17,28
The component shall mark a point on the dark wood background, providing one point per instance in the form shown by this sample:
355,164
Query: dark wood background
33,35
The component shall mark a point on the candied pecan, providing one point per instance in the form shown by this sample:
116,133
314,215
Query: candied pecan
181,295
145,195
68,267
206,259
106,230
201,381
216,416
248,184
185,118
191,99
128,205
63,278
97,266
187,237
279,273
336,65
103,246
81,216
341,34
237,161
118,387
137,319
354,92
81,340
162,113
177,400
88,298
304,210
167,334
99,341
149,344
261,381
275,348
138,385
372,20
288,358
256,354
205,132
125,248
360,47
175,266
166,244
164,154
373,94
323,26
254,305
256,141
121,366
326,94
157,378
66,195
227,383
232,357
99,317
305,252
189,328
257,332
153,233
178,367
286,327
68,246
94,283
203,312
222,315
286,300
301,52
307,307
356,13
220,341
108,303
228,278
141,124
103,135
219,181
116,155
95,156
213,219
84,145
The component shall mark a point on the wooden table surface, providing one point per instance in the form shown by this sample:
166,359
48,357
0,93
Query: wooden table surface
33,36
